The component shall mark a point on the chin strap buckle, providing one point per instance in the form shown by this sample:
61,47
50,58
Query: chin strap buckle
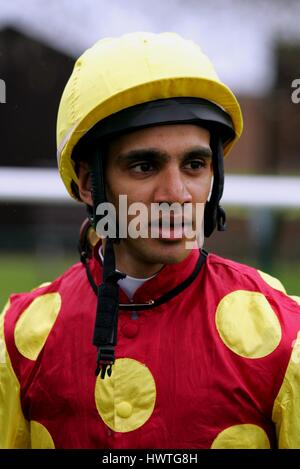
105,360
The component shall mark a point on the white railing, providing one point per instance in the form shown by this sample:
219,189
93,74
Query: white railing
43,186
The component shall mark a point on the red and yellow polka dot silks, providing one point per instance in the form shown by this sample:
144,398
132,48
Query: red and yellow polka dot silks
215,367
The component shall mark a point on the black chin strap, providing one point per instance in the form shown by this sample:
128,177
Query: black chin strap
214,214
106,324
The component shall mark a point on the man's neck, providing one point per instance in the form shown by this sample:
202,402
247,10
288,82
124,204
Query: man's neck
135,267
132,266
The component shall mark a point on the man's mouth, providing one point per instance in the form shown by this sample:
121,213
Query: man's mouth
172,229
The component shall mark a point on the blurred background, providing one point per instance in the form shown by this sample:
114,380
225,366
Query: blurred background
255,47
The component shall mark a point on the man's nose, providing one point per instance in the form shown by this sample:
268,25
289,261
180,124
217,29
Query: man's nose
172,187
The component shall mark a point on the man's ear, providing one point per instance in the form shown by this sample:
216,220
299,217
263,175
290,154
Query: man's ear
85,183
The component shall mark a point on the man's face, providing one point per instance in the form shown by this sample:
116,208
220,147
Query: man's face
168,163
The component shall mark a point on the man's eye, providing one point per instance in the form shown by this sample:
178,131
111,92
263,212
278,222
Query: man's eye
195,164
142,167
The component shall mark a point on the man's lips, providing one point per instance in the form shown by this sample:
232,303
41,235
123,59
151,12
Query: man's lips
172,223
173,229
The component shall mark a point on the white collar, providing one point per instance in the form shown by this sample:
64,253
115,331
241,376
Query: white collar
128,284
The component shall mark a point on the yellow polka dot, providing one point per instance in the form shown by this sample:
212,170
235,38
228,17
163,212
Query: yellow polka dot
245,436
2,351
35,324
6,307
295,357
125,401
296,298
124,409
247,324
272,281
2,341
285,413
40,436
44,284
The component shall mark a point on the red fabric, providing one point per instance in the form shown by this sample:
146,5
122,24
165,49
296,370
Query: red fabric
202,386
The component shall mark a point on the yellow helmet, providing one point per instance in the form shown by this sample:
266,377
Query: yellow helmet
118,73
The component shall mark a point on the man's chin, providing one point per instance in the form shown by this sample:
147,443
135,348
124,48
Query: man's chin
159,250
169,251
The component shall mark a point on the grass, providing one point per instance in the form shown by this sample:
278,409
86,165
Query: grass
289,275
23,272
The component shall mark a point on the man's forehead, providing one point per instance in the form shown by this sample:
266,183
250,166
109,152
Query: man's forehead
162,138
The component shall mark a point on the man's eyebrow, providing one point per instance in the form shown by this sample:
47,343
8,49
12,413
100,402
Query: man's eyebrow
155,154
204,152
140,154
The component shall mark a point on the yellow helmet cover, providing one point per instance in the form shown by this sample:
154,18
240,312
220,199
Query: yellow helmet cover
117,73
